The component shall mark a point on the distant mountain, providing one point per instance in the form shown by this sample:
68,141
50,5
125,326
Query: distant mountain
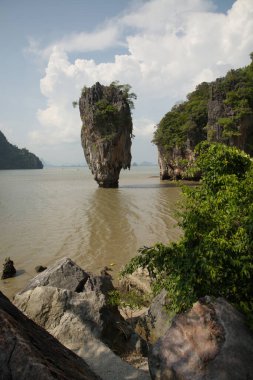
11,157
147,163
47,164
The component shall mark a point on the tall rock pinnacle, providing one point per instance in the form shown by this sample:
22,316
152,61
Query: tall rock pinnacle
106,131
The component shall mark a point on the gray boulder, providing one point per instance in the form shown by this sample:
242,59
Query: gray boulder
75,320
69,316
209,342
64,274
99,284
29,352
73,306
154,323
83,320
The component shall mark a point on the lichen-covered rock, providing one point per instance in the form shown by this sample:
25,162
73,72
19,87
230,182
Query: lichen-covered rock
8,269
209,342
106,132
29,352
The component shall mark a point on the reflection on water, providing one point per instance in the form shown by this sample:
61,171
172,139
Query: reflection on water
110,233
49,214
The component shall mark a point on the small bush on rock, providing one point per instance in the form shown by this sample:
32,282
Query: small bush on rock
129,301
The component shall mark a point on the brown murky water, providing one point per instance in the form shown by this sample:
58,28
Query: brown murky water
51,213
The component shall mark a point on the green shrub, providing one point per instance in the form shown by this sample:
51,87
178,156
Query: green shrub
214,257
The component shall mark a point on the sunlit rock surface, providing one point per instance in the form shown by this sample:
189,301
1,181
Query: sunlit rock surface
27,351
106,132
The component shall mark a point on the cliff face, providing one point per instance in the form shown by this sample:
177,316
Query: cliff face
174,164
224,123
220,111
179,131
106,132
12,157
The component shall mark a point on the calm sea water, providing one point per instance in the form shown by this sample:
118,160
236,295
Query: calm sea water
51,213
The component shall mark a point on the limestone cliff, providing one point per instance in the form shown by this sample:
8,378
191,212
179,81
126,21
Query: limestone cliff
179,131
174,164
226,122
106,131
220,111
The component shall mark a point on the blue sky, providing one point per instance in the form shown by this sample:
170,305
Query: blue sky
162,48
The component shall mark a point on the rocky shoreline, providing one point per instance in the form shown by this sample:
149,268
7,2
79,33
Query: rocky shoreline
62,326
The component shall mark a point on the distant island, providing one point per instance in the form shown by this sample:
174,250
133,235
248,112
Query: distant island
11,157
144,163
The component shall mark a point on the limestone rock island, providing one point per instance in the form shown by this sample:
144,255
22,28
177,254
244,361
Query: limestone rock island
107,130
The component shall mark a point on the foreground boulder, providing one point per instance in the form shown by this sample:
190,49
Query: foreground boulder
74,319
209,342
64,274
73,306
106,131
28,352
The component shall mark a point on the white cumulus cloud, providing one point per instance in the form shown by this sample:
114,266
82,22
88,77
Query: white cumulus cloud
171,47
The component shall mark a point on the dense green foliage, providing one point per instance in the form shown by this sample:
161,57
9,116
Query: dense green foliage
125,90
237,91
214,257
188,123
108,112
185,121
11,157
106,115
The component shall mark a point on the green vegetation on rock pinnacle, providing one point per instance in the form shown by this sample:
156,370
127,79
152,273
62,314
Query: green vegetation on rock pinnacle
215,255
11,157
106,115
